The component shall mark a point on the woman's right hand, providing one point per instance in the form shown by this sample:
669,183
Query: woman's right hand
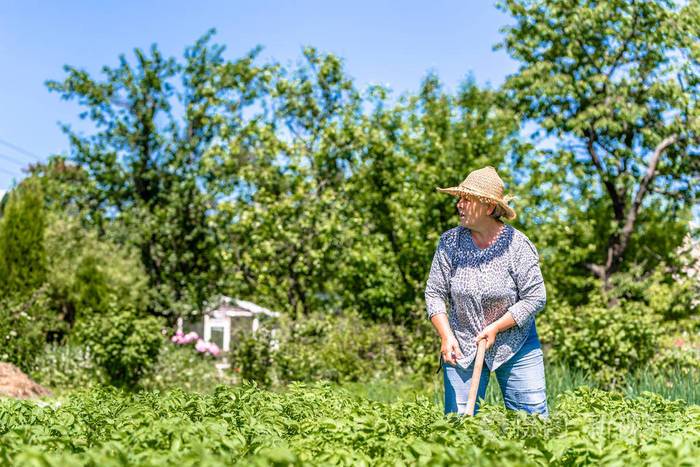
450,350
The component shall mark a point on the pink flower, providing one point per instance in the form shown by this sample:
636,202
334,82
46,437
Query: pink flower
189,338
214,349
201,346
180,338
207,347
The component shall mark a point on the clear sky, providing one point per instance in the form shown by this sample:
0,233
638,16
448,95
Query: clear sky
381,41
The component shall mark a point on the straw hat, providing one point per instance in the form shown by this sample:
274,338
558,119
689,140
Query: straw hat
486,186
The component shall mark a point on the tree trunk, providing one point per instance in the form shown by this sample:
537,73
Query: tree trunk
619,240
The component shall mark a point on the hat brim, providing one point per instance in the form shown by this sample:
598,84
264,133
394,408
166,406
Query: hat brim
459,191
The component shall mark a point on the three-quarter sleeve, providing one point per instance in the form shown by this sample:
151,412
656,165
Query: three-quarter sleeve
529,281
437,287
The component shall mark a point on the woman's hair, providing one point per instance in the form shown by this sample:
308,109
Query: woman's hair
498,212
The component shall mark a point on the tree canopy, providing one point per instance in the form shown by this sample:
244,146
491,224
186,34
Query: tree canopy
292,187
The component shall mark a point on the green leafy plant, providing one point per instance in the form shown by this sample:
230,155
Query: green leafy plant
67,367
252,356
182,367
22,249
123,343
323,424
607,343
335,348
23,324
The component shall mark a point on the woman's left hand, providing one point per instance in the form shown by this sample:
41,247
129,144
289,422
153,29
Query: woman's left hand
489,333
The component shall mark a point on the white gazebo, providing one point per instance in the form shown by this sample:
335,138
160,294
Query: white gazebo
222,315
218,317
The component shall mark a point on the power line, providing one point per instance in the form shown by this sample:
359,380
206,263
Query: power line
11,159
19,149
9,173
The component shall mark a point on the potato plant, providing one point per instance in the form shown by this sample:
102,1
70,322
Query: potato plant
320,424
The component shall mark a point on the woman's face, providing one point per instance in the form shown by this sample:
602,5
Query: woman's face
472,212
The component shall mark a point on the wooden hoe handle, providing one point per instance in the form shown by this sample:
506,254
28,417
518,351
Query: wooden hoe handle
476,376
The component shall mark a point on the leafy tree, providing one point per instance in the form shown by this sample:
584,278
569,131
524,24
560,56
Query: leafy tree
428,140
22,251
339,209
150,157
68,189
285,225
89,274
617,84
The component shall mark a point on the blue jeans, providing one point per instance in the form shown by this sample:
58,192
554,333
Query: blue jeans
521,380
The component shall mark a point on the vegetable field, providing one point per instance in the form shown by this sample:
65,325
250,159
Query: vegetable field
322,424
226,260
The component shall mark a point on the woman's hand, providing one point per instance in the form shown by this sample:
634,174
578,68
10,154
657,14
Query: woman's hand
450,350
489,333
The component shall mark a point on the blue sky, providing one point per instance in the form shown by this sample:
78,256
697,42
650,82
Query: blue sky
388,42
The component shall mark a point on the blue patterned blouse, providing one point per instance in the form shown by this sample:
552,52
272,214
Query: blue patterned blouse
477,286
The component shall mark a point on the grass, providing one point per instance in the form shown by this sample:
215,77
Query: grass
675,385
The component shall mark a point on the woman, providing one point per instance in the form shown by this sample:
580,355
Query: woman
486,274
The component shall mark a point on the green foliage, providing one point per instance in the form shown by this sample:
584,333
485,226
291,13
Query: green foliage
22,251
182,367
123,344
335,348
66,368
322,424
679,348
417,348
291,205
607,343
673,298
287,185
252,356
23,323
670,294
89,275
675,358
604,79
67,188
149,170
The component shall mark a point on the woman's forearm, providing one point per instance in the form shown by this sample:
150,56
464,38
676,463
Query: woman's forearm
442,325
489,332
504,322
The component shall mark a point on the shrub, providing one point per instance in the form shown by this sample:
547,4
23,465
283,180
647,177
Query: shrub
605,342
252,356
89,274
23,323
674,300
417,347
336,348
679,351
124,344
67,367
182,367
670,294
22,246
